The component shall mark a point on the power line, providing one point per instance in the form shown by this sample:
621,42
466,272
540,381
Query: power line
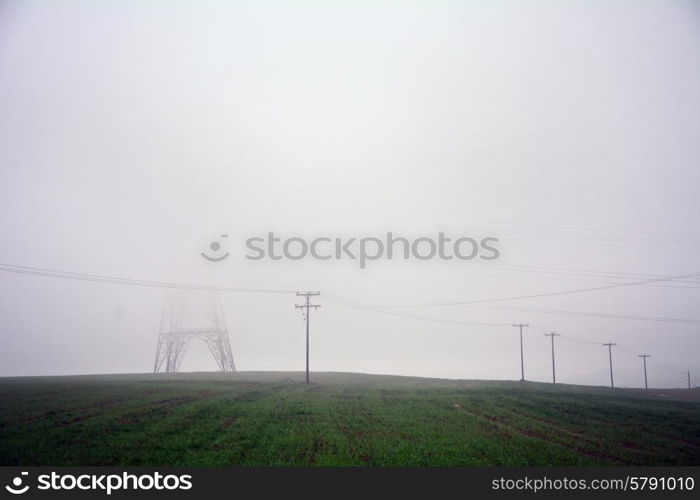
43,272
97,278
442,320
566,337
668,370
420,317
52,273
584,314
608,275
552,294
674,372
583,272
661,319
578,340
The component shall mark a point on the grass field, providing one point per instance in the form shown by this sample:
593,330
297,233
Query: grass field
264,418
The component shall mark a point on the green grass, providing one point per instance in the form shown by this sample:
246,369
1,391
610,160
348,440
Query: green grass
259,418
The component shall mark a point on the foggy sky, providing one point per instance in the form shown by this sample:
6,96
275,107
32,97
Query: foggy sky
132,134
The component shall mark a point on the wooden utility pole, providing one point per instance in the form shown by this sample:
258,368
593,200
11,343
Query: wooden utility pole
522,362
307,306
644,357
612,384
554,373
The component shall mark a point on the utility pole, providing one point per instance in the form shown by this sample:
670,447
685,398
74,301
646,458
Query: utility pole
554,374
307,306
612,384
644,357
688,380
522,363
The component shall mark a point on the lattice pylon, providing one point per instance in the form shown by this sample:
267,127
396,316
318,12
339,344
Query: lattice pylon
173,336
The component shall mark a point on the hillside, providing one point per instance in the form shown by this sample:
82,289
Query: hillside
272,418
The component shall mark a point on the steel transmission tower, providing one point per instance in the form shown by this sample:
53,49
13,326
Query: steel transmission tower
178,327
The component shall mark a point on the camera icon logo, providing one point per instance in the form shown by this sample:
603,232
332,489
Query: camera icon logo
16,487
219,254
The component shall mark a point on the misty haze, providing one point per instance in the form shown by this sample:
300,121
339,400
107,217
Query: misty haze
148,150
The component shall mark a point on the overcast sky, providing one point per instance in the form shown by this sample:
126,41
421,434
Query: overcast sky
133,134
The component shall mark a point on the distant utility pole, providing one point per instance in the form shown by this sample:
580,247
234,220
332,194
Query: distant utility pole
612,384
554,374
522,363
307,306
644,357
688,380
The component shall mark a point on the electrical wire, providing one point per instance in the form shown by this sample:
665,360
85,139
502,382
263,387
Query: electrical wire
51,273
552,294
420,317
